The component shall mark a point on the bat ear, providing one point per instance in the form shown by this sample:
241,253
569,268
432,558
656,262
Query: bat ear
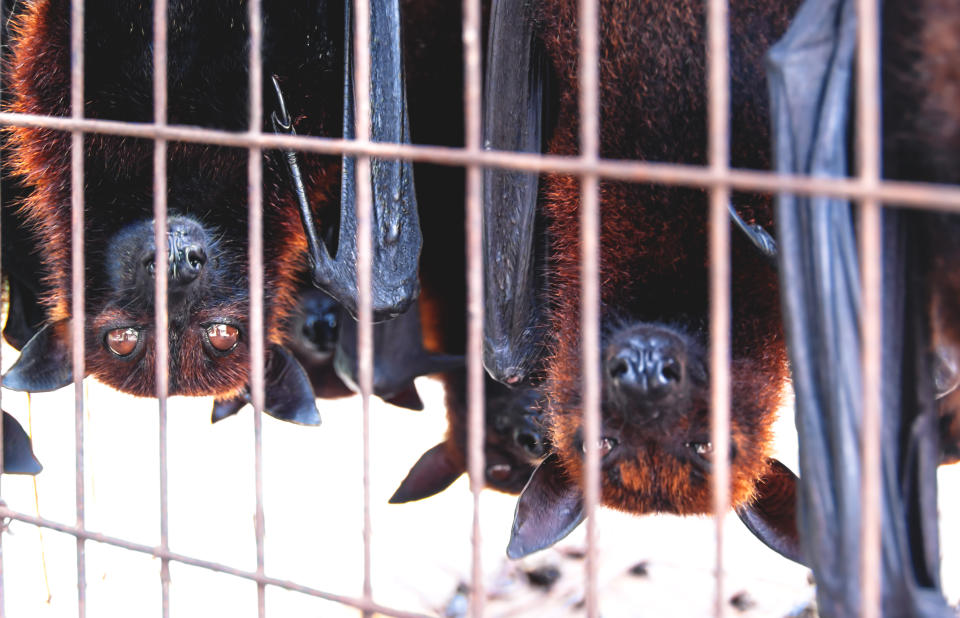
407,398
549,508
434,471
516,78
222,408
18,457
289,394
772,515
45,363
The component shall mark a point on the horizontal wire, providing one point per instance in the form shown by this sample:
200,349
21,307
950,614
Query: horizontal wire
905,194
158,552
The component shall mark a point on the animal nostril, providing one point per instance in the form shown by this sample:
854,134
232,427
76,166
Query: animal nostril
671,371
196,257
618,367
148,263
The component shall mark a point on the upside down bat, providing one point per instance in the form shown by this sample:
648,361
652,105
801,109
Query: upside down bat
514,440
303,47
654,293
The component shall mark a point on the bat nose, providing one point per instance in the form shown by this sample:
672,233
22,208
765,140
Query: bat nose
645,365
186,263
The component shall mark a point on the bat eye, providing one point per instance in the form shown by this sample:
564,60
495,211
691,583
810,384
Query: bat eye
122,341
223,337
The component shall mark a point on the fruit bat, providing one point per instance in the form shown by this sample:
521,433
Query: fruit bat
303,53
654,293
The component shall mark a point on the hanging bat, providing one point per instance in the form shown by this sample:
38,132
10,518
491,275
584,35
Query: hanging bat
207,201
654,293
513,442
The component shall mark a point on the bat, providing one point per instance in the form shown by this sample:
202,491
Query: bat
513,442
655,427
514,439
303,54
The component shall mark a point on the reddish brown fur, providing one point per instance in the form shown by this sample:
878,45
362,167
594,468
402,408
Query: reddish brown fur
653,239
38,76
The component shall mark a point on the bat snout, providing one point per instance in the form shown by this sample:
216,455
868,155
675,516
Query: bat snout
646,373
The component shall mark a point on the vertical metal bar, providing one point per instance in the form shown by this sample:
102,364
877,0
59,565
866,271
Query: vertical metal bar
472,96
719,153
255,204
589,83
868,137
361,85
160,261
3,612
77,280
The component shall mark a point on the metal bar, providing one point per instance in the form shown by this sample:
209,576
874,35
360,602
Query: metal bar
364,206
868,142
473,140
3,611
162,340
77,279
157,552
906,194
255,227
718,90
589,102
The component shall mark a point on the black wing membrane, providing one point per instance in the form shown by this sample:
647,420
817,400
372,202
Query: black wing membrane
810,72
399,357
396,226
513,120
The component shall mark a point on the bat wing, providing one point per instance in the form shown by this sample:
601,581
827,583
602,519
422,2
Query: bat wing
45,363
289,393
772,515
549,508
810,82
18,457
513,120
399,357
396,227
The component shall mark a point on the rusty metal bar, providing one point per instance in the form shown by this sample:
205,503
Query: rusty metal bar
364,206
472,95
162,340
81,533
589,84
868,142
77,279
3,612
718,90
906,194
255,227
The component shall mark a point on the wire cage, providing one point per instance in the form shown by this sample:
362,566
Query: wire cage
717,178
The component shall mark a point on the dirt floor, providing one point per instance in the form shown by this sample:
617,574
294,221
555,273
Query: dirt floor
651,566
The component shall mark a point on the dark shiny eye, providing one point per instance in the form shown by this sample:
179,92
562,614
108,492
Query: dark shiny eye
122,341
223,337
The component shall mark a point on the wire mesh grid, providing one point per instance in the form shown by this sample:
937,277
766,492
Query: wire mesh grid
717,177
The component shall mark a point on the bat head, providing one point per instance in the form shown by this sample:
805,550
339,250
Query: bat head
655,445
514,443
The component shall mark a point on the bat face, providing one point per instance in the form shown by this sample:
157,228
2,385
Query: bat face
207,240
207,326
514,437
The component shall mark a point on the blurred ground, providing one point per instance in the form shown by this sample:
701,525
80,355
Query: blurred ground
655,566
